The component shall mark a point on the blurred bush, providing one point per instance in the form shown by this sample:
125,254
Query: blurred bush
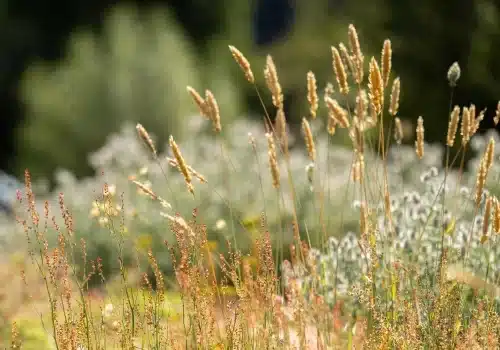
137,69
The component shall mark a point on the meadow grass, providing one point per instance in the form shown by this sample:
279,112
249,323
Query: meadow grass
411,277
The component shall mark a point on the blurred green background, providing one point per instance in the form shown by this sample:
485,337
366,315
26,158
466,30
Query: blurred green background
73,72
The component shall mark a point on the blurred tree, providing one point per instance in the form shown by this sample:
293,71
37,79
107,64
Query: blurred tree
137,70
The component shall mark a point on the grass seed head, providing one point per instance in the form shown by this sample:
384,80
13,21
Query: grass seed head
213,110
340,73
396,88
144,135
200,102
308,137
272,81
452,126
386,61
243,62
312,95
419,143
454,74
376,86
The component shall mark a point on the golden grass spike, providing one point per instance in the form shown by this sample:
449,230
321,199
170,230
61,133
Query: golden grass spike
144,135
339,69
337,112
464,127
386,61
354,42
480,181
452,126
243,62
200,102
361,105
396,88
312,95
272,81
273,162
487,215
308,137
419,143
376,86
496,216
145,189
213,109
281,128
347,59
489,153
183,168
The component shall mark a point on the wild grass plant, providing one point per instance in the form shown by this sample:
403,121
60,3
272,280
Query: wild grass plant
417,268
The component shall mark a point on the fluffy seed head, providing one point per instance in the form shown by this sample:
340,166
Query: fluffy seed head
396,88
144,135
454,74
347,59
452,126
376,86
357,56
312,95
308,137
243,62
386,60
339,69
419,144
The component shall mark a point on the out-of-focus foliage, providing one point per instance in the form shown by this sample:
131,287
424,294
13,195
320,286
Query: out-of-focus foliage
137,69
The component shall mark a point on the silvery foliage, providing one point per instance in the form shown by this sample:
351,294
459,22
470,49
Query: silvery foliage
419,229
239,188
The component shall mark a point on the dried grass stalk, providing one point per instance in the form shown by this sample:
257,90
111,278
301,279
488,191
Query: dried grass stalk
480,181
337,112
419,144
452,126
281,128
396,88
489,153
361,105
144,135
273,161
339,69
200,102
386,61
376,86
308,137
464,127
312,95
213,110
181,163
243,62
272,81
